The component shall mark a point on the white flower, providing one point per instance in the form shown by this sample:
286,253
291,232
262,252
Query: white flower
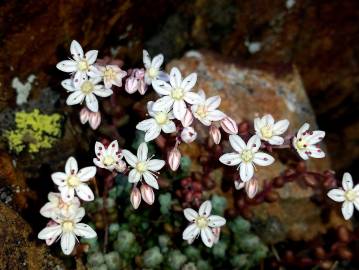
143,167
269,131
57,206
206,109
176,94
74,180
305,142
153,68
108,158
161,120
80,64
67,228
246,156
349,195
110,74
202,223
87,89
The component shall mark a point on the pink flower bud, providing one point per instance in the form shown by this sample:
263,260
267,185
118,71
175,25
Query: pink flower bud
251,188
94,120
139,73
84,115
147,194
135,197
215,133
238,185
174,159
120,166
131,85
216,233
229,125
188,134
142,87
187,119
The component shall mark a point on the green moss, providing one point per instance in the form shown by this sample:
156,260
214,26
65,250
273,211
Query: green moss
34,131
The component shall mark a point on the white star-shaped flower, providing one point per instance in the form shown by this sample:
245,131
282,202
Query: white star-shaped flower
246,156
202,223
153,68
143,167
57,206
86,90
348,195
80,65
161,120
206,109
74,180
305,142
269,131
109,158
176,93
110,74
67,228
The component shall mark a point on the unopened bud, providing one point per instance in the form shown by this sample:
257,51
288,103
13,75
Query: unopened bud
147,194
95,120
131,85
188,134
215,133
238,185
251,188
187,119
142,87
174,159
229,125
139,73
84,115
121,166
216,232
135,197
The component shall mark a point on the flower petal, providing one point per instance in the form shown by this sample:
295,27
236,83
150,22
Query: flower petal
175,77
347,181
216,221
192,98
99,149
59,178
91,56
268,120
142,152
163,104
316,137
237,143
190,214
205,208
246,171
67,242
254,143
276,140
230,159
103,92
150,179
280,127
213,103
263,159
146,59
170,127
67,66
130,158
134,176
337,195
71,166
92,103
155,164
161,87
207,236
146,124
152,133
190,232
84,230
75,98
188,82
86,173
347,209
68,85
112,149
303,129
315,152
48,210
216,115
67,193
84,192
179,109
157,61
76,50
50,232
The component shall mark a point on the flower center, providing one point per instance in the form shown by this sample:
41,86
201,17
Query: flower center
73,181
161,118
267,132
109,74
83,65
177,93
202,111
152,72
87,87
350,195
141,167
201,222
301,144
247,155
67,226
108,160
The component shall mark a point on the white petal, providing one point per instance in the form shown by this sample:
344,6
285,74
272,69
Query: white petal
92,103
71,166
84,192
276,140
76,50
179,109
142,152
157,61
316,137
150,179
152,133
268,120
50,232
79,214
59,178
336,195
161,87
303,129
48,210
134,176
237,143
67,66
230,159
205,209
91,56
280,127
170,127
146,124
75,98
155,164
79,78
212,103
302,154
190,214
163,104
216,221
190,232
347,209
207,236
254,143
67,242
246,171
112,149
99,149
263,159
67,193
315,152
175,77
103,92
347,181
192,98
84,230
86,173
146,59
257,124
98,163
68,85
216,115
130,158
188,82
356,203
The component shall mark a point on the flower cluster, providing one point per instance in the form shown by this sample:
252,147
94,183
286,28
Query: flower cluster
64,208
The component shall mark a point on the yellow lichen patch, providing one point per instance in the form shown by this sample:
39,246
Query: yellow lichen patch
34,131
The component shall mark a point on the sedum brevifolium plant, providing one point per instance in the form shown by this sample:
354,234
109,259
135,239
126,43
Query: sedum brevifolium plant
179,105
